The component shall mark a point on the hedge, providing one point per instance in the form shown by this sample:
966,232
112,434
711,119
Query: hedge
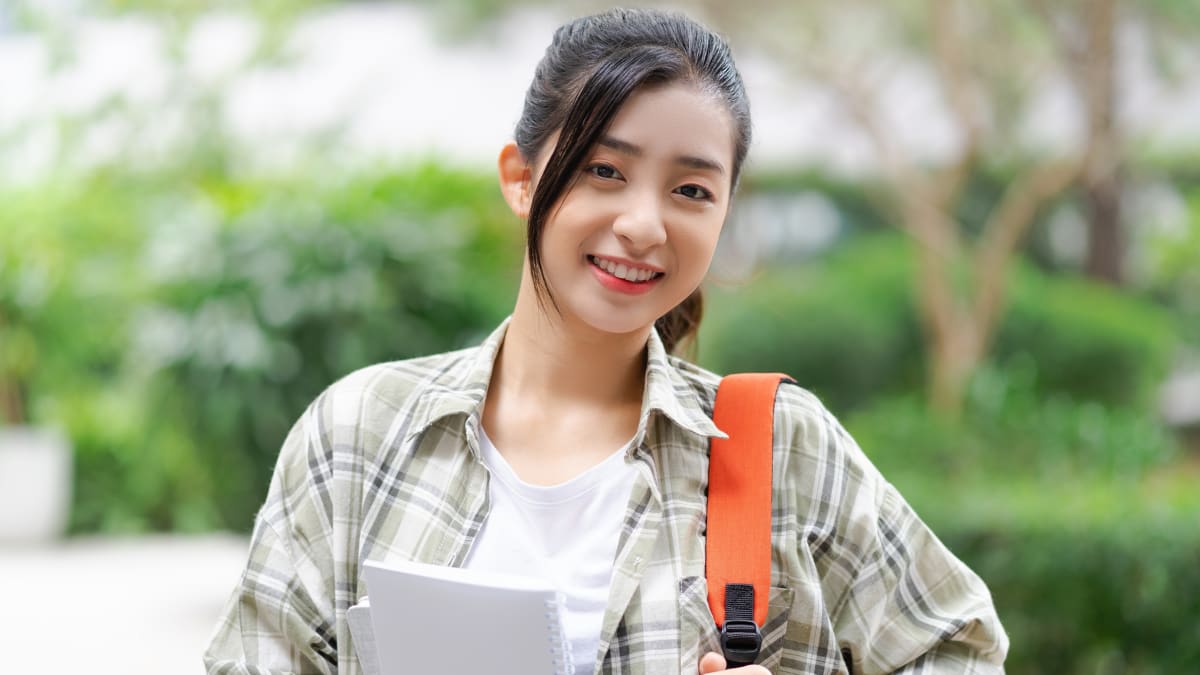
845,326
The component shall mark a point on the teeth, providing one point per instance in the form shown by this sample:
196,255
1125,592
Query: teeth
622,271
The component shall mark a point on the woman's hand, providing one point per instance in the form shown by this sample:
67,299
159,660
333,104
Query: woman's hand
715,663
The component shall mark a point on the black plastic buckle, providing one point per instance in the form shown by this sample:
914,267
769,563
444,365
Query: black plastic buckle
740,640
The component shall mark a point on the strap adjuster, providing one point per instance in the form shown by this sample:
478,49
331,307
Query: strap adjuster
740,641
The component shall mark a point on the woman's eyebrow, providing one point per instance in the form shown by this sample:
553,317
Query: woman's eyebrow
690,161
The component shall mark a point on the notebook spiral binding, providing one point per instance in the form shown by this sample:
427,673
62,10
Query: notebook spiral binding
560,647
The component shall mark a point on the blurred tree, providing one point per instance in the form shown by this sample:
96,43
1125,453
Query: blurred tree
990,63
1088,41
1085,34
857,51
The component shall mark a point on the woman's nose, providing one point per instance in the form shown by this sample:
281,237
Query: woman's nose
640,223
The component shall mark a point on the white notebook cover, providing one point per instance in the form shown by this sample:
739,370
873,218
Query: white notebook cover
359,619
452,621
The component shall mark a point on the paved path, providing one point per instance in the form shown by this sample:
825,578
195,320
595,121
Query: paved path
119,606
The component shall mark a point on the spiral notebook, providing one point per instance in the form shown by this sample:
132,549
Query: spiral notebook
454,621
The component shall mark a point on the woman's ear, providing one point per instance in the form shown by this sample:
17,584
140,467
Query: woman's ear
516,181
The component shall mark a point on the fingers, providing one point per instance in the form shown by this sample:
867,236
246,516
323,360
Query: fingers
711,662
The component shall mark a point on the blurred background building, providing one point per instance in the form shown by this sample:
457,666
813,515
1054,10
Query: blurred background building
972,228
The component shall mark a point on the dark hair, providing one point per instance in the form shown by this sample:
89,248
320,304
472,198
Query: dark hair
590,69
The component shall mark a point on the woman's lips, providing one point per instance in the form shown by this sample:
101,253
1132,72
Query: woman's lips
615,283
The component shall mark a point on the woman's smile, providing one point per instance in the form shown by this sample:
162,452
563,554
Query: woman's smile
623,277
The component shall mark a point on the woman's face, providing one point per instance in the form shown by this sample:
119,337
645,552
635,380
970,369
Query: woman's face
635,234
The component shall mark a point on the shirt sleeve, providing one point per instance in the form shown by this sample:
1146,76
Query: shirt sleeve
280,617
911,605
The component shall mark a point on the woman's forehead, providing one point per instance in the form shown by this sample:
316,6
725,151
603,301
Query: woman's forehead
673,121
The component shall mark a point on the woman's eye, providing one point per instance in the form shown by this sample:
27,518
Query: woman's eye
603,171
694,192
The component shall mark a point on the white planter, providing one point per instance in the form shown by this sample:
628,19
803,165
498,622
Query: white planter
35,484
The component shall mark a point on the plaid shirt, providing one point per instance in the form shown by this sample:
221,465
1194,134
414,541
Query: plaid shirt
385,465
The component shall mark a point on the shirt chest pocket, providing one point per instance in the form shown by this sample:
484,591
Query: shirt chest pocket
698,629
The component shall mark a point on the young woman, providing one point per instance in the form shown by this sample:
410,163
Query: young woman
571,444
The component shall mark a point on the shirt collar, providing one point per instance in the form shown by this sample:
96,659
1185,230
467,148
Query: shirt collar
460,388
670,393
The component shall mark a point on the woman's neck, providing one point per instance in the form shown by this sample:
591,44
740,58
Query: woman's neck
546,355
563,395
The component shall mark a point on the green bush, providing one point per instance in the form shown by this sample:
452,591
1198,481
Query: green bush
66,276
845,327
183,323
1010,428
298,284
1118,598
1081,517
1090,574
1085,339
1175,263
69,284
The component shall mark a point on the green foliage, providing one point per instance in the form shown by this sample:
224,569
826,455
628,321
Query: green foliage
181,326
1009,428
845,327
272,295
1079,516
1085,339
1176,256
64,270
1090,573
1110,599
72,281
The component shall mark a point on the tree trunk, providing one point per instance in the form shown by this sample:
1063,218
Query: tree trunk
1102,178
1106,244
953,359
11,409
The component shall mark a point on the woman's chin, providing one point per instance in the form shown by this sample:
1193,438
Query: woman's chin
616,322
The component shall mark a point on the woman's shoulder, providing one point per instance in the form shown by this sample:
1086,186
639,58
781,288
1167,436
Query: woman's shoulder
832,489
370,401
817,456
795,406
394,381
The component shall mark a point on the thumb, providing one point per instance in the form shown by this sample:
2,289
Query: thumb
711,663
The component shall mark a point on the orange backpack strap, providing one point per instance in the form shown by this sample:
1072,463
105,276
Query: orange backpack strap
738,544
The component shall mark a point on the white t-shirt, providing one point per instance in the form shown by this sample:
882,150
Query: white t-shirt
565,533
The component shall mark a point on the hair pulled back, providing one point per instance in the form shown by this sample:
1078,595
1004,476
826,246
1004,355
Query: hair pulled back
590,69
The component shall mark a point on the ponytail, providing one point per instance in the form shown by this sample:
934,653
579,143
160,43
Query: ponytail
681,325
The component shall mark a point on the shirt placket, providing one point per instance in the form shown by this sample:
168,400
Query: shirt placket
643,522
